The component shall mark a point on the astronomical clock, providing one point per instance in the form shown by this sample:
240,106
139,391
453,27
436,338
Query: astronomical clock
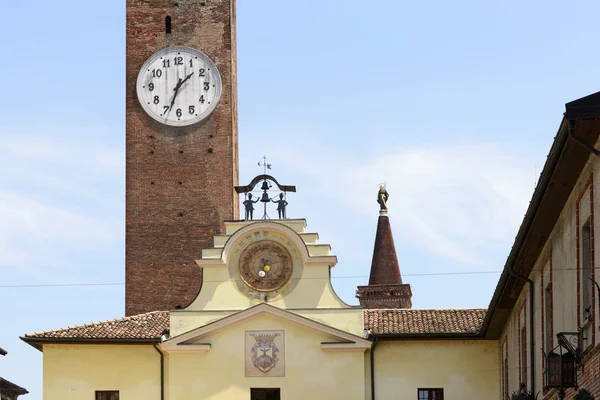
265,265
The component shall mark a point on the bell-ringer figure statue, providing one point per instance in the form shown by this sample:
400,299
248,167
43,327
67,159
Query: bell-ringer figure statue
249,205
382,198
281,205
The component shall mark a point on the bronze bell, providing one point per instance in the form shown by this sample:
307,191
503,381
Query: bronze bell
265,186
265,198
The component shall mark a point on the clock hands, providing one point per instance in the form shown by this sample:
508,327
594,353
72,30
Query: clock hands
175,95
177,87
266,267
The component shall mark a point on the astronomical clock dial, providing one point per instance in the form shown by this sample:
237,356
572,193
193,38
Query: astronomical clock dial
265,265
178,86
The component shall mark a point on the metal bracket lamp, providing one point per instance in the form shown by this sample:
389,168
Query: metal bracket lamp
563,362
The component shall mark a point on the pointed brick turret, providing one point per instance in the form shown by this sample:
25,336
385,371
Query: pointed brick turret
384,267
385,289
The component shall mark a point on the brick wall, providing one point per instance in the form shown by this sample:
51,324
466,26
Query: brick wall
179,181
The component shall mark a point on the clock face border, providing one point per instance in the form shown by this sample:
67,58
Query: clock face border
173,50
255,236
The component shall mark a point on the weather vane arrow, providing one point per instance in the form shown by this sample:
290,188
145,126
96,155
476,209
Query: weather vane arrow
264,165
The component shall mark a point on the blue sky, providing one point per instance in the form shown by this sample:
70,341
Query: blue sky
453,104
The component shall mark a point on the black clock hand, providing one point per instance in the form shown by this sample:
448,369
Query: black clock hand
177,87
175,95
186,78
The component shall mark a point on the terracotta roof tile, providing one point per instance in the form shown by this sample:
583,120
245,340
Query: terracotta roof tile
150,326
415,322
142,326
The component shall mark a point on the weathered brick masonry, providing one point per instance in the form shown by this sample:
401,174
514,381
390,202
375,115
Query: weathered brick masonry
179,180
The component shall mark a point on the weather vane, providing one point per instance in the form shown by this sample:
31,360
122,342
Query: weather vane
264,165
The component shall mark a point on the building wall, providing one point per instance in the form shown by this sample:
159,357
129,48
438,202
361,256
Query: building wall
312,297
74,372
310,372
560,309
464,369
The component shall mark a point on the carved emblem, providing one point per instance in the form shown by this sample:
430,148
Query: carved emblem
265,354
265,266
264,351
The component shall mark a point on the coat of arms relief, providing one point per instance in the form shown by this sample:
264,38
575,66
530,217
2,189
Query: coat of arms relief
265,353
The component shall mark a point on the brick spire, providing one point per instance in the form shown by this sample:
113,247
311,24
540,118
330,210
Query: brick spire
384,267
385,289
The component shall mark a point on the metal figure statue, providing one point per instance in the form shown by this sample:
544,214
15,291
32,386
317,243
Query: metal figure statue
249,205
281,205
382,198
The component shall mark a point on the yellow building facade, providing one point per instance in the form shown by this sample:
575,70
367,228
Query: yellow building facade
324,348
267,324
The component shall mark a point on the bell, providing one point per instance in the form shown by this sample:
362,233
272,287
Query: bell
265,198
265,185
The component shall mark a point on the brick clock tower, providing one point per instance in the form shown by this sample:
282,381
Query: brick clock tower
181,144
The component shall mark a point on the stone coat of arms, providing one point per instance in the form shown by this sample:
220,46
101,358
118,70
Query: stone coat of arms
265,353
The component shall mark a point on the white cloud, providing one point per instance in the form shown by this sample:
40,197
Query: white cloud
457,201
59,196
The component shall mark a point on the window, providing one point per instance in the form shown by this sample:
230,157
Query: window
549,342
107,395
265,394
586,272
524,355
168,24
430,394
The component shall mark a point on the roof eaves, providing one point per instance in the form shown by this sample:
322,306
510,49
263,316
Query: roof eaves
5,384
545,177
449,335
38,342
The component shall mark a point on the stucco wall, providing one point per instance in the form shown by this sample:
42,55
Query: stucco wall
74,372
464,369
310,372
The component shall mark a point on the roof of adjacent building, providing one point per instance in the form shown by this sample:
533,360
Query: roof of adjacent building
411,322
578,132
142,327
150,326
9,386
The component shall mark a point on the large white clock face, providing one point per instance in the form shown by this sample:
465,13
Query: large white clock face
179,86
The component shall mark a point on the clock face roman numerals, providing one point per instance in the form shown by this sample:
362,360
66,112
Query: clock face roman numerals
179,86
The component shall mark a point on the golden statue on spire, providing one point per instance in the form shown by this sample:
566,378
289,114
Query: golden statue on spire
382,198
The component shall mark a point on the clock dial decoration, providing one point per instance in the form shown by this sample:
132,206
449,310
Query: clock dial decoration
178,86
265,266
